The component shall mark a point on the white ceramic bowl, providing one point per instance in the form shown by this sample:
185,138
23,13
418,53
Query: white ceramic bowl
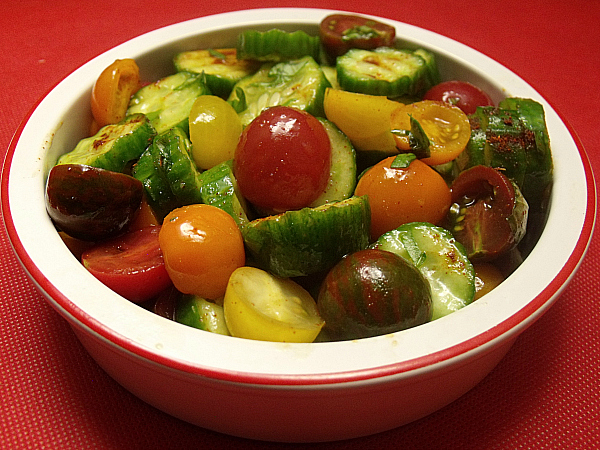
273,391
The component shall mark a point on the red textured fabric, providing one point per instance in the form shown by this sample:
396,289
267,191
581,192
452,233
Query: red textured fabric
545,394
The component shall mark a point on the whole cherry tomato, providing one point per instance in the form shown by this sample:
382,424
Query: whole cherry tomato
341,32
464,95
399,195
283,159
202,246
112,91
132,265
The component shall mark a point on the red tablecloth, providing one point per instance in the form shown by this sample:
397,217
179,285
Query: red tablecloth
544,394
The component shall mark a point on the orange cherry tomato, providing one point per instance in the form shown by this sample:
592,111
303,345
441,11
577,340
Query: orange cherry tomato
112,91
487,277
446,126
416,193
202,246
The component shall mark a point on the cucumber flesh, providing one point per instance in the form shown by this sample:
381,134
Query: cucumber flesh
168,102
299,83
196,312
310,240
113,146
221,68
342,177
387,71
440,258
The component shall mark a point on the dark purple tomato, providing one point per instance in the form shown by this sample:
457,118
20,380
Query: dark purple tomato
341,32
459,93
90,204
373,292
488,217
282,160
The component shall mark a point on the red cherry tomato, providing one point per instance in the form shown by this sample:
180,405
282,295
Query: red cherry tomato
131,265
459,93
282,160
341,32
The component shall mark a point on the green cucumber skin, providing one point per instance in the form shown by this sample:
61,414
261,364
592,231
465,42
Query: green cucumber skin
310,240
218,187
342,178
199,313
168,102
113,146
220,74
299,83
372,292
413,73
277,45
440,258
168,173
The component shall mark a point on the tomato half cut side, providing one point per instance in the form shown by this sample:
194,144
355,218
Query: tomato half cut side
113,90
341,32
131,265
483,216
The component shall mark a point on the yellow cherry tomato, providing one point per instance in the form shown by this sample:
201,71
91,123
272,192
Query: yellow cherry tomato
113,90
446,126
215,130
365,119
263,307
202,246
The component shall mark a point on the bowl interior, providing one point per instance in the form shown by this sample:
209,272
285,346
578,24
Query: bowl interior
63,116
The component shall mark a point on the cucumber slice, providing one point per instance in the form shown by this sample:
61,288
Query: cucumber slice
277,45
196,312
387,71
221,67
168,173
113,146
440,258
299,83
311,240
218,187
168,102
342,177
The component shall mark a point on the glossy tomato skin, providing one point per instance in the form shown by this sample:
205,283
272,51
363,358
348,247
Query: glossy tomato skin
341,32
373,292
132,265
283,159
89,203
416,193
202,246
462,94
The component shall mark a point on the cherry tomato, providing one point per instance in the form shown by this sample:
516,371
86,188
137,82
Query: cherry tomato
282,160
459,93
264,307
446,126
483,217
416,193
341,32
144,216
202,245
215,129
112,91
487,277
132,265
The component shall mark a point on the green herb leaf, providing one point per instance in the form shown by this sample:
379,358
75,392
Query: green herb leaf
216,54
418,140
403,160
